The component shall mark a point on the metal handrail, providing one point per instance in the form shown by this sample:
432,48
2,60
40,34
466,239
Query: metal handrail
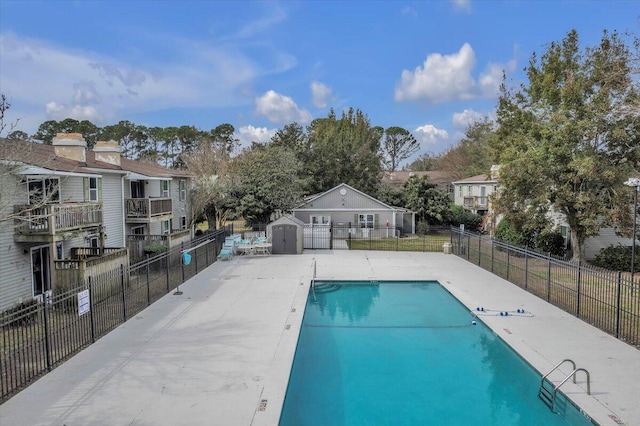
573,373
558,365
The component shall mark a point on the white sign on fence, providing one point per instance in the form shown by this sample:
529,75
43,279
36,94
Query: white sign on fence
83,302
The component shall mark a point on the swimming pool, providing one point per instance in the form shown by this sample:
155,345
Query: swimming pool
406,353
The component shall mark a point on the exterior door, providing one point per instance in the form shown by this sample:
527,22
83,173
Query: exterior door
41,270
284,239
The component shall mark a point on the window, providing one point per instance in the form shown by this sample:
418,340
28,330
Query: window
183,222
138,230
182,187
164,188
366,220
137,189
166,226
320,220
59,251
94,241
43,190
469,192
92,187
460,190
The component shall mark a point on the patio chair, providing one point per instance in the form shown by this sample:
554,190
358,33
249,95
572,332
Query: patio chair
227,252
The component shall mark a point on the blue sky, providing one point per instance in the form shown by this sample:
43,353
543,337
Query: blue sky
428,66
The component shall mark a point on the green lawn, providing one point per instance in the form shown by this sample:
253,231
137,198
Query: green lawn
431,243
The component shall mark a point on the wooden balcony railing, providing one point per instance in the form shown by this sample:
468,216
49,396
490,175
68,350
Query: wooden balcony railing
146,208
475,202
87,262
52,219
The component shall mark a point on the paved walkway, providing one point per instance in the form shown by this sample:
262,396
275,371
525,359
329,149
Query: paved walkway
220,353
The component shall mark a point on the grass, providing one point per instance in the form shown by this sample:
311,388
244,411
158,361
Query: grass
430,243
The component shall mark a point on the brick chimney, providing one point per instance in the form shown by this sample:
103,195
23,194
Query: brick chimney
71,146
108,152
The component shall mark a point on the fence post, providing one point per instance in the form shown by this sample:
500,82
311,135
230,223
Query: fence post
93,327
206,247
493,247
479,250
468,246
578,288
549,276
47,338
167,261
618,292
181,262
124,299
148,283
508,262
526,269
195,260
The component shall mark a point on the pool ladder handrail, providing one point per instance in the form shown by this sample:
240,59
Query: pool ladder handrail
550,398
313,277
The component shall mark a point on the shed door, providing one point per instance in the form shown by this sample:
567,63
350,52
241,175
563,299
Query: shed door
284,239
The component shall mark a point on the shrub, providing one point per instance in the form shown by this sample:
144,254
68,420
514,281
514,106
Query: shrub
617,258
20,314
422,227
550,242
470,220
156,248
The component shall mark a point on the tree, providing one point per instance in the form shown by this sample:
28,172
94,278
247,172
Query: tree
343,150
471,156
398,144
264,180
48,130
423,163
568,139
430,204
224,136
208,164
5,105
131,138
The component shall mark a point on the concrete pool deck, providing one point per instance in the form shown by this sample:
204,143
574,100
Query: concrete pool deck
220,353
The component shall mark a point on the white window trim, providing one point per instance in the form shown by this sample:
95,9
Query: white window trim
93,191
165,193
366,222
320,219
182,189
168,227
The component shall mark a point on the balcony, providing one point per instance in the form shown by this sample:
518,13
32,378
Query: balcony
146,210
88,262
50,222
476,202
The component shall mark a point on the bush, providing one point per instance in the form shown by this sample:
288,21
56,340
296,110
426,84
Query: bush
507,233
550,242
617,258
153,249
422,227
21,314
471,221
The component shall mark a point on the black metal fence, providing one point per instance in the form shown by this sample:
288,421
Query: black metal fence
389,239
37,337
609,300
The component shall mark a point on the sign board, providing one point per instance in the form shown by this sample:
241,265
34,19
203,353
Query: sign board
83,302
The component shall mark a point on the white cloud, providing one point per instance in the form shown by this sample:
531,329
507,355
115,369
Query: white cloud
463,5
430,134
440,79
58,112
280,109
190,74
321,94
249,134
443,78
461,120
491,78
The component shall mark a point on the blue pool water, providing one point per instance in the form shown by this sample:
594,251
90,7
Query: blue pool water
406,353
